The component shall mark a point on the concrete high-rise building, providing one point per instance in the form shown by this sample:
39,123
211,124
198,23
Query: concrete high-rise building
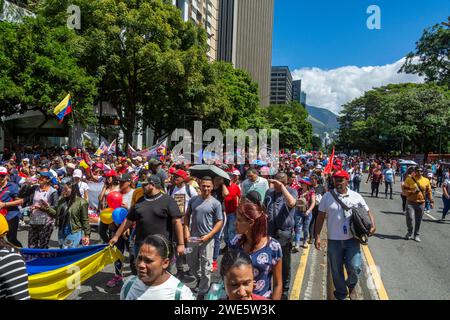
303,98
280,85
206,14
245,39
296,90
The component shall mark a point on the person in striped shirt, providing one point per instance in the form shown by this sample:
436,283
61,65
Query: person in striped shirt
13,273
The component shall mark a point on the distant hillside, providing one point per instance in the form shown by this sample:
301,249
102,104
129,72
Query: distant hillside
322,120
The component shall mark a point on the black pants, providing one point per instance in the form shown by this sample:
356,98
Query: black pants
388,185
13,226
375,187
104,232
286,267
315,213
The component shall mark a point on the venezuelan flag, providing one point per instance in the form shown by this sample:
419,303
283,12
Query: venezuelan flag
63,108
53,274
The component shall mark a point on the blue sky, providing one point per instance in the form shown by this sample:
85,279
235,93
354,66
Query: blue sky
326,44
333,33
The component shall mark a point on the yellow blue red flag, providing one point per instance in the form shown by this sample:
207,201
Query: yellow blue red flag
63,108
53,274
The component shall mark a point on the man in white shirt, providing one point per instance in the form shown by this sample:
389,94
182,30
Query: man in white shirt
342,246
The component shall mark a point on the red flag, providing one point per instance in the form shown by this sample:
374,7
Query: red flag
329,166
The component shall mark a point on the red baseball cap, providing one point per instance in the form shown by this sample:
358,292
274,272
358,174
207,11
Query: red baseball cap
172,170
341,174
181,173
110,173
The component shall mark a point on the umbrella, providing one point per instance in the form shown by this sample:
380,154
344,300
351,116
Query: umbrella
408,163
202,170
260,163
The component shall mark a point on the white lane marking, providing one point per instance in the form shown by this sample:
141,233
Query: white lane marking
312,273
429,215
372,290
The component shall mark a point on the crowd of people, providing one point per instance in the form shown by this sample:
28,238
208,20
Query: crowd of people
178,225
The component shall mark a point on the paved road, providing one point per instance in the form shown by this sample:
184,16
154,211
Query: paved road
410,270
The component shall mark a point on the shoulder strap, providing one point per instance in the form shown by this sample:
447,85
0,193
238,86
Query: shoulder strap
178,291
418,185
187,187
128,286
343,205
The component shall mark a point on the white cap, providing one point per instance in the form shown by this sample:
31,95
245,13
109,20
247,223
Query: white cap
70,165
319,166
236,173
3,171
77,173
26,159
138,158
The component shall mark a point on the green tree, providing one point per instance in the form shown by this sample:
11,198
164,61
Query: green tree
39,65
152,65
291,120
316,143
409,118
433,55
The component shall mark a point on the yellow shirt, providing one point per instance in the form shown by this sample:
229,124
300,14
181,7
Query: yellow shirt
413,192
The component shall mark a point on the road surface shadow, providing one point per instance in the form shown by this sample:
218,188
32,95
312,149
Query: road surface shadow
437,221
388,236
392,212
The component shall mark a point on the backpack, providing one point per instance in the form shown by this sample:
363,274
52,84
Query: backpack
357,177
133,279
360,223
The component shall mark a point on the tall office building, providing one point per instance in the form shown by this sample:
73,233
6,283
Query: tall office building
303,98
245,39
280,85
296,90
206,14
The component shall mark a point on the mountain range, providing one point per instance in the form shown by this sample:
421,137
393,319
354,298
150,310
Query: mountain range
322,120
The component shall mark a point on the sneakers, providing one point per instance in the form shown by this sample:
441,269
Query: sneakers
305,245
408,236
114,281
214,266
417,239
295,248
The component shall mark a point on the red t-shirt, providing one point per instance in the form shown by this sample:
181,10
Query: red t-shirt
231,203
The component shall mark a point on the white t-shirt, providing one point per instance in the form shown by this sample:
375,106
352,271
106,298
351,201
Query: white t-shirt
165,291
83,188
338,221
180,193
127,197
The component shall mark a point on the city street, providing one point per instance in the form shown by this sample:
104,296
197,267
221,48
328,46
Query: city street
408,270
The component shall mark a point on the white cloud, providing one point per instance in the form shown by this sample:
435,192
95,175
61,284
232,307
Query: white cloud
330,89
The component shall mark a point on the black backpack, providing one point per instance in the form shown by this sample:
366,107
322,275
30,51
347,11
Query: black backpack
360,223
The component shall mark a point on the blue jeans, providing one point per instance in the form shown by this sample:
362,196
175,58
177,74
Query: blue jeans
67,239
356,185
446,206
230,228
346,252
302,222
